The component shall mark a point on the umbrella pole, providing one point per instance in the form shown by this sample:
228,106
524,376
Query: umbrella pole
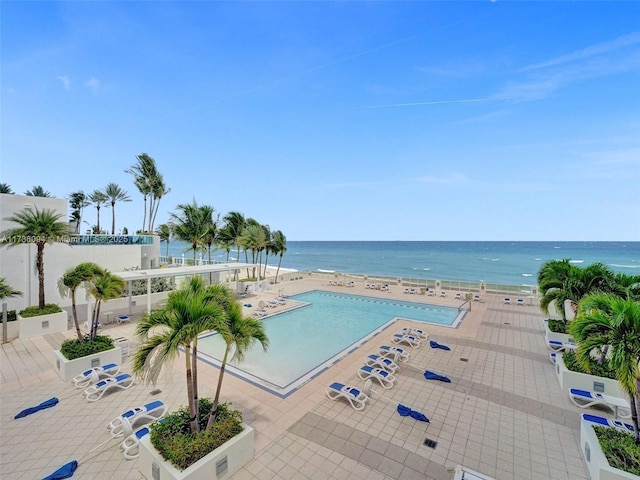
96,448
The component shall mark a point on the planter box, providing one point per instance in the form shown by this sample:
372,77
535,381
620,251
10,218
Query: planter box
584,381
220,464
558,337
13,329
597,464
67,369
43,324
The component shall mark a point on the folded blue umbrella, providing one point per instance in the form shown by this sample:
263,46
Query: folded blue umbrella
435,344
429,375
405,411
65,471
52,402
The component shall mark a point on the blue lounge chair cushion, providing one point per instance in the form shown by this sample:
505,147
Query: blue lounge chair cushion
582,393
369,369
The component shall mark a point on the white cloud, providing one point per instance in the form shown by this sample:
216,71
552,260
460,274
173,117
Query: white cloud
93,83
66,83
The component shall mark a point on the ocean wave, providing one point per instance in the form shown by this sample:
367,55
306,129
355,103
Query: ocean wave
538,259
495,259
426,269
527,274
618,265
326,271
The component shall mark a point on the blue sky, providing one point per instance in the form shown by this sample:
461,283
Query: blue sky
336,120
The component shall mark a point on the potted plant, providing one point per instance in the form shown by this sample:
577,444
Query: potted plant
209,430
6,291
86,351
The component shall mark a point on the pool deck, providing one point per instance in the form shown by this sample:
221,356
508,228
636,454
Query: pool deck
503,414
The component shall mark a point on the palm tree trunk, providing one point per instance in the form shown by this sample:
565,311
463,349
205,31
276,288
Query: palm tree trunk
192,408
155,212
113,218
266,260
94,321
144,218
634,411
74,314
216,399
194,369
278,270
98,208
40,267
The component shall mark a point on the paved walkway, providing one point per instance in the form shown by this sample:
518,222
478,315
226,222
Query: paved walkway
503,414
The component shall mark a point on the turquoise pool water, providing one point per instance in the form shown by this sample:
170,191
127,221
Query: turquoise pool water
327,326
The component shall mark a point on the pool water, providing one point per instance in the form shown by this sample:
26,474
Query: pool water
305,341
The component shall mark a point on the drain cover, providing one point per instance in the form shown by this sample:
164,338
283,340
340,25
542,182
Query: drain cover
464,359
507,323
155,392
430,443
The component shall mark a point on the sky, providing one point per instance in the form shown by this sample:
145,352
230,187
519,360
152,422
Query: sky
329,120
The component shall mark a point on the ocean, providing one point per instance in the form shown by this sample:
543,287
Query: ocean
513,263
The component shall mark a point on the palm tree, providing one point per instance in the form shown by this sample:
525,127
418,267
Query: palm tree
188,313
210,236
41,227
279,242
253,238
159,190
72,279
105,286
240,334
7,291
266,248
115,194
78,201
165,231
607,320
98,198
37,191
6,188
150,183
190,225
234,225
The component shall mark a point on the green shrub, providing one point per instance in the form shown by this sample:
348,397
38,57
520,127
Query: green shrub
604,370
73,348
35,311
557,326
620,449
173,440
11,316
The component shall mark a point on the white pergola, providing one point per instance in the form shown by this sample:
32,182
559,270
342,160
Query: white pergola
173,272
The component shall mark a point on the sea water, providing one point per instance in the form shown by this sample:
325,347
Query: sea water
514,263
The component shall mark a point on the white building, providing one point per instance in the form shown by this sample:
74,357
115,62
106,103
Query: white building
18,263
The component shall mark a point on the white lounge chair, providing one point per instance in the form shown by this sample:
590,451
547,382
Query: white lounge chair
378,361
122,318
585,399
95,374
476,298
507,301
124,425
431,293
355,397
458,296
558,346
463,473
385,379
120,382
608,422
395,353
130,445
443,293
520,301
410,340
416,332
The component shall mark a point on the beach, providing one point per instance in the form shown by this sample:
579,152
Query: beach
503,413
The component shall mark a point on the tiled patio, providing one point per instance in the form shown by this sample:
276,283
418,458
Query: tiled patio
503,413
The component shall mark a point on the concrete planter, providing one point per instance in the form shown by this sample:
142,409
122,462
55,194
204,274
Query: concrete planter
597,464
584,381
67,369
558,337
43,324
220,464
13,329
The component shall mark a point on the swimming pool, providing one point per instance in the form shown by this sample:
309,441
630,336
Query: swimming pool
327,326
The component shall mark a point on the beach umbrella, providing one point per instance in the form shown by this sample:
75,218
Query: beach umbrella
435,344
65,471
403,410
429,375
52,402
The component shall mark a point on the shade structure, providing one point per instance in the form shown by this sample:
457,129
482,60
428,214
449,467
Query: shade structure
52,402
65,471
429,375
435,344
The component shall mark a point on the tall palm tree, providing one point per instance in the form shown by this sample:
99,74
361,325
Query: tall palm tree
279,242
611,321
188,313
266,248
6,188
210,232
78,201
190,225
240,334
225,240
98,198
105,286
165,231
159,190
234,224
115,194
41,227
37,191
253,239
7,291
74,278
150,182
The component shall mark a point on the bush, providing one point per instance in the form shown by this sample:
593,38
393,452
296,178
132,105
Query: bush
557,326
174,441
11,316
35,311
73,348
620,449
604,370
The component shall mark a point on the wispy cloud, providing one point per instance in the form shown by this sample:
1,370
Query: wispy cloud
451,179
66,83
588,52
439,102
93,84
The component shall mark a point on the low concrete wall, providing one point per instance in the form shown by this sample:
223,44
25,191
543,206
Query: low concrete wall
42,324
584,381
597,464
67,369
